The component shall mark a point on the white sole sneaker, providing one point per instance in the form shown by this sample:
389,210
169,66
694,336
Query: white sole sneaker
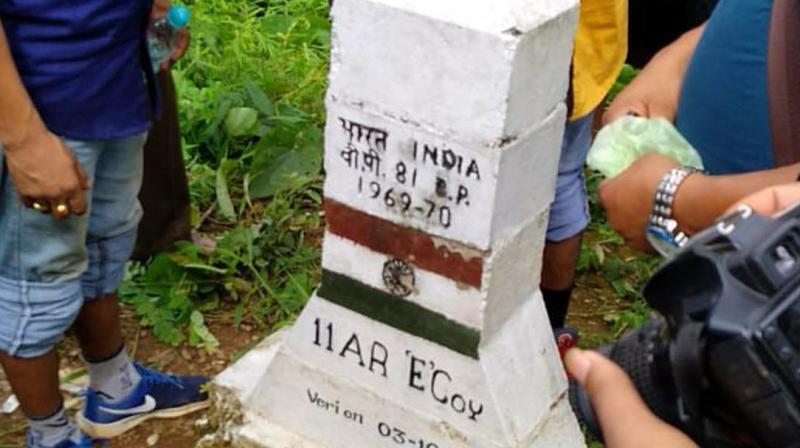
110,430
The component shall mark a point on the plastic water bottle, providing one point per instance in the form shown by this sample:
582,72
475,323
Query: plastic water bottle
163,35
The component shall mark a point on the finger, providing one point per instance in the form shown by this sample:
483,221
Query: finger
640,243
85,183
159,10
83,179
604,192
77,204
625,419
772,200
632,109
181,46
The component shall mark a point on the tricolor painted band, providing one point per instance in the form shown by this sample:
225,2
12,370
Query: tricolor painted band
399,313
404,243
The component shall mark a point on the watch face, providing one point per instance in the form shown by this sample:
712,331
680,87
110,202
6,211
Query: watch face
662,241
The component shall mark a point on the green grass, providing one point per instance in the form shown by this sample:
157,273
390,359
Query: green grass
623,272
250,91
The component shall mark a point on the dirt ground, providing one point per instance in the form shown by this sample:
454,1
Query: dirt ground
592,301
177,433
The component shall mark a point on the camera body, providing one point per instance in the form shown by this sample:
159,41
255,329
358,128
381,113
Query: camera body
722,362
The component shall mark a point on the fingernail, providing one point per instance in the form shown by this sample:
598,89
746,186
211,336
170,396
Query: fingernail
578,364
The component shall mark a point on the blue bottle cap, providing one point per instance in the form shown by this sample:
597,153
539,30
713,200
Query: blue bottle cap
178,16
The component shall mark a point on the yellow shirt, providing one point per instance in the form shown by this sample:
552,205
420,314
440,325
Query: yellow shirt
601,47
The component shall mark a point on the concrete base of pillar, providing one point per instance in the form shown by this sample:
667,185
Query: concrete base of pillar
236,426
338,379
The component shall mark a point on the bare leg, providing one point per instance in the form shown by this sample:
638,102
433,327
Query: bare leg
559,263
558,276
34,382
98,328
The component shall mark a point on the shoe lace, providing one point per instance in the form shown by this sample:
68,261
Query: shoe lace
158,377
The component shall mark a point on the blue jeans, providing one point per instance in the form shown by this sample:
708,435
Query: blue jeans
569,212
48,267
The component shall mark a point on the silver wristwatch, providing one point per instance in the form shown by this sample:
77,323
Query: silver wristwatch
663,231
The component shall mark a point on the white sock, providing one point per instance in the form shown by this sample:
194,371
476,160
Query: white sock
50,431
115,377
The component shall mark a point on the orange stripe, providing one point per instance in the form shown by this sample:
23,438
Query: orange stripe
404,243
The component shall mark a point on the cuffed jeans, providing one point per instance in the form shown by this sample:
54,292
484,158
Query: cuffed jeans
48,267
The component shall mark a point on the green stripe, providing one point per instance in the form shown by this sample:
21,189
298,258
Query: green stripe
399,313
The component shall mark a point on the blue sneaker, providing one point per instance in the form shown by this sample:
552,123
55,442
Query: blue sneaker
86,442
156,396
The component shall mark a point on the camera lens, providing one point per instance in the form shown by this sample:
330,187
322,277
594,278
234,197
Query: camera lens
643,354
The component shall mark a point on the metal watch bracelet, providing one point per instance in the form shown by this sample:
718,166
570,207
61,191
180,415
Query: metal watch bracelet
662,225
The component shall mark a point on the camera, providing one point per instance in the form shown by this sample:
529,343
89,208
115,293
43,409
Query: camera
721,361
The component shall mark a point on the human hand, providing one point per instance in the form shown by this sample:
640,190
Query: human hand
772,200
46,173
625,419
647,96
160,10
628,198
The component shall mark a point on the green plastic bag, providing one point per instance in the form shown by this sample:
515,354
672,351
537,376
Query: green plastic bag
619,144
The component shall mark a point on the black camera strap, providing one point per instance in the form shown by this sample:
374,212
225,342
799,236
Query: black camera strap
687,354
784,81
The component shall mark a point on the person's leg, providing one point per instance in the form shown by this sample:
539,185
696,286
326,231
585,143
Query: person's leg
112,233
99,332
98,328
35,382
558,276
121,394
41,261
569,216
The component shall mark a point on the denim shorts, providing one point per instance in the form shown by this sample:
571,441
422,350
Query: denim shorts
48,267
569,212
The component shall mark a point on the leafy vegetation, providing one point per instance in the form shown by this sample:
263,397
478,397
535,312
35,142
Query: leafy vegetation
624,272
627,75
250,90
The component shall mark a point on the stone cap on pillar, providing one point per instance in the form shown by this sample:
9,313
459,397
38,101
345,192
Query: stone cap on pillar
482,72
497,16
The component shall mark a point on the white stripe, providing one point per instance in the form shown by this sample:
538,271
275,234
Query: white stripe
461,303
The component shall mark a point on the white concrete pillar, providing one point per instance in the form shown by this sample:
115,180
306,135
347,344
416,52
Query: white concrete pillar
444,126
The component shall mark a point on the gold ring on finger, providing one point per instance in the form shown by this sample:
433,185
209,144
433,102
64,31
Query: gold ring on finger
62,209
39,207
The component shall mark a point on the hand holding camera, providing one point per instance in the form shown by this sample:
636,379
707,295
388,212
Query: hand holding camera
626,420
722,362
